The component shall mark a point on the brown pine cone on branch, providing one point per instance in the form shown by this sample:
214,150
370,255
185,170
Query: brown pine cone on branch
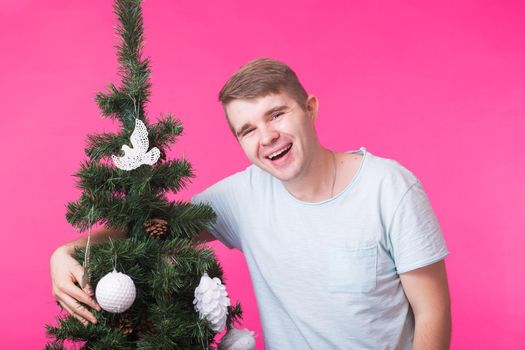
156,228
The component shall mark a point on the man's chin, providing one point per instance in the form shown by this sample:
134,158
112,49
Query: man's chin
282,175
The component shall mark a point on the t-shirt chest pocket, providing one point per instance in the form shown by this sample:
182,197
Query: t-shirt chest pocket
352,269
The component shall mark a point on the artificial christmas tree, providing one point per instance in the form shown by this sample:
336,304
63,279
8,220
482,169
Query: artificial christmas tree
150,294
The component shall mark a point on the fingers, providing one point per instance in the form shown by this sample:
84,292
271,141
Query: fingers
65,271
78,274
81,319
69,296
73,291
88,290
77,310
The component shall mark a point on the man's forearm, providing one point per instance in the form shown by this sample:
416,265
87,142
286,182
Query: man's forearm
98,236
432,332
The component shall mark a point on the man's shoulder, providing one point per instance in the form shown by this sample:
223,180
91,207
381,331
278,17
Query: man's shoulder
238,182
245,177
390,172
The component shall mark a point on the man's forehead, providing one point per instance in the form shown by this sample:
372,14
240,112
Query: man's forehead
255,107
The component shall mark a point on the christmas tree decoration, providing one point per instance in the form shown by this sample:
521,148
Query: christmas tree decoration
115,292
86,277
156,228
238,339
139,154
157,243
211,301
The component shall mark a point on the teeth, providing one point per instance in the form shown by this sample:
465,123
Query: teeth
275,154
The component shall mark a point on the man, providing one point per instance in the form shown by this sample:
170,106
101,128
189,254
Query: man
344,249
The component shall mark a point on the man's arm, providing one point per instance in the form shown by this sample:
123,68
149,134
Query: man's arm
97,237
427,291
203,236
65,271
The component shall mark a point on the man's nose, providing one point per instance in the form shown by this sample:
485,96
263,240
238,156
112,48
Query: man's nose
268,136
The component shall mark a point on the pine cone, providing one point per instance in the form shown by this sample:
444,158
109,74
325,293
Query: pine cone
124,325
212,301
156,228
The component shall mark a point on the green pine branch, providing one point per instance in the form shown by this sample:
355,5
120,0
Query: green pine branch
116,210
98,178
187,220
172,175
165,131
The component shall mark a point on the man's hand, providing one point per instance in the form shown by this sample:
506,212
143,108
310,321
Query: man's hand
427,291
65,271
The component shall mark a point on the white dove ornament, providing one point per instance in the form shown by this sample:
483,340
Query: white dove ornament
138,155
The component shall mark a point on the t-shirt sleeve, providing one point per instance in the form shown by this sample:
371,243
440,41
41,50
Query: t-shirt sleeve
415,235
224,228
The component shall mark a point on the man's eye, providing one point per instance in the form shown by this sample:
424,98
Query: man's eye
247,132
277,115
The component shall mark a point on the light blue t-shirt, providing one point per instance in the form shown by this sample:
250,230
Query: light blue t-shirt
326,274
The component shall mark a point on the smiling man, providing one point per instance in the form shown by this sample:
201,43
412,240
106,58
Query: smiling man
344,249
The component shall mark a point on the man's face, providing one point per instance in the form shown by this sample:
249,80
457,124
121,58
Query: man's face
275,133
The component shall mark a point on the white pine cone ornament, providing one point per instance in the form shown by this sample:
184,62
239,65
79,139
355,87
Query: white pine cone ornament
115,292
211,301
238,339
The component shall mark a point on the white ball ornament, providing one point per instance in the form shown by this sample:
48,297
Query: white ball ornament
238,339
115,292
211,301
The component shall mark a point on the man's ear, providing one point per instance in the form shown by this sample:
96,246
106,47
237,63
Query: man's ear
312,107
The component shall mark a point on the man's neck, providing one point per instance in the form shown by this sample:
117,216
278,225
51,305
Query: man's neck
317,180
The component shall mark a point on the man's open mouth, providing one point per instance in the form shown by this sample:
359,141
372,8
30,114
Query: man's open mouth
280,153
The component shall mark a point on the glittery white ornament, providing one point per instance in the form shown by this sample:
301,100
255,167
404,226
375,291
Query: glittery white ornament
138,155
211,301
115,292
238,339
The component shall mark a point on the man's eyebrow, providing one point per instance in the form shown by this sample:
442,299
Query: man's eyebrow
267,113
275,109
242,129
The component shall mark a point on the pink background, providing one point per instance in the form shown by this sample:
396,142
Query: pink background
437,85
